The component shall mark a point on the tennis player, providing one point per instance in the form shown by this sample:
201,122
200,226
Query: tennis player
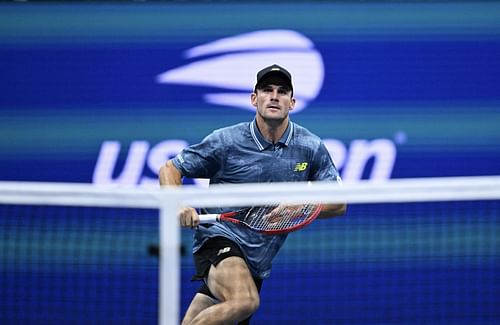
232,261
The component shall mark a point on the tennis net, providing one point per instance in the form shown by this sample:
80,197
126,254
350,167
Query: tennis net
407,251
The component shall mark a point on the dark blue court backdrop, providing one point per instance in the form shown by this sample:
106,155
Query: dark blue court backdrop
105,93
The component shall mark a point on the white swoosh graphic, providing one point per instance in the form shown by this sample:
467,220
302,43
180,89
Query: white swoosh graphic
259,40
236,71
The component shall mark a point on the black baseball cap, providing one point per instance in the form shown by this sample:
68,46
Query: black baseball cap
274,74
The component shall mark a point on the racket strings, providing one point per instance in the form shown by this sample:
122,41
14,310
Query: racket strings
278,217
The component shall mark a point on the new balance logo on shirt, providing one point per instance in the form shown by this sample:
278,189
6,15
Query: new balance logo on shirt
300,167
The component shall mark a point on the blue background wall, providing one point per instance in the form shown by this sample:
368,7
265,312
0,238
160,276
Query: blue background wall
404,90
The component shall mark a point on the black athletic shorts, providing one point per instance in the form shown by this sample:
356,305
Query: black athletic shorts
213,252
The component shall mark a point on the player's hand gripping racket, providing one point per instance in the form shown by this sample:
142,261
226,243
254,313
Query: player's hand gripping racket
270,219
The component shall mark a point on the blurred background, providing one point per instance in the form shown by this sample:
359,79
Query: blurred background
105,92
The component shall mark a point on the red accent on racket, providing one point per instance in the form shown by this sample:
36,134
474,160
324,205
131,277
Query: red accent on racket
269,219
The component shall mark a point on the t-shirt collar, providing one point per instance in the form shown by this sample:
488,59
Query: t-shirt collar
262,143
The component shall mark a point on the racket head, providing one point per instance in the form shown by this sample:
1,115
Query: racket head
273,220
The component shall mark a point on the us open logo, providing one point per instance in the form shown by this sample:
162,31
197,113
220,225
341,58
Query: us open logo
230,64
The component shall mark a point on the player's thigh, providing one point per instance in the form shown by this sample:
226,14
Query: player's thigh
231,279
199,303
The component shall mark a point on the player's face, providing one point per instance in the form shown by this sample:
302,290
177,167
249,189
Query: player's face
273,102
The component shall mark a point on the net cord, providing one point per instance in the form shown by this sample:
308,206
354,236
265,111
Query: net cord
395,190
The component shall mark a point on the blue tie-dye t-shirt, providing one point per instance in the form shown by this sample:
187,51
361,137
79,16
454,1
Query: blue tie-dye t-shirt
240,154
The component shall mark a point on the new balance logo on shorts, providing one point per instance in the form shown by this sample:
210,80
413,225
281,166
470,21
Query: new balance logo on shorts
223,250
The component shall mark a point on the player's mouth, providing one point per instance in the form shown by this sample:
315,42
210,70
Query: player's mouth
274,107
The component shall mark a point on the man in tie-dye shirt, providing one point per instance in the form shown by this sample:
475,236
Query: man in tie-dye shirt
231,260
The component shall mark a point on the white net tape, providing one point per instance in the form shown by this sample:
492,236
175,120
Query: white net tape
396,190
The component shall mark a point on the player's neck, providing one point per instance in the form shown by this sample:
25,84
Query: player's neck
272,130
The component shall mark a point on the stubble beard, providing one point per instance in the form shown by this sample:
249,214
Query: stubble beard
273,121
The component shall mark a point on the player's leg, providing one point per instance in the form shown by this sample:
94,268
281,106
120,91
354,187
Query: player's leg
199,303
258,284
232,284
210,255
204,299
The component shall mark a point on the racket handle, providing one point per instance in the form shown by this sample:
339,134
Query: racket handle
208,218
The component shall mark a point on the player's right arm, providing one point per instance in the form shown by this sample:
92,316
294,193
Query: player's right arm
170,175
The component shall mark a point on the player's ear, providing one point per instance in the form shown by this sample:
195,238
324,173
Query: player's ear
292,104
253,99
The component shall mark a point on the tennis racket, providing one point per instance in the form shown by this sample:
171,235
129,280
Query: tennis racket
270,220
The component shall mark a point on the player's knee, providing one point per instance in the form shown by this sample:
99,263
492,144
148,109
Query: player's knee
249,304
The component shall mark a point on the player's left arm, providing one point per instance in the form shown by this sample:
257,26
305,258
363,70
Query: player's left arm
324,170
332,210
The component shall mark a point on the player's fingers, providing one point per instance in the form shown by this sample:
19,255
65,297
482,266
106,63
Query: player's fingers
192,219
182,218
188,217
274,215
195,219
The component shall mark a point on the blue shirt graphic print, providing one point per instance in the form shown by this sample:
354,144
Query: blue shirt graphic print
240,154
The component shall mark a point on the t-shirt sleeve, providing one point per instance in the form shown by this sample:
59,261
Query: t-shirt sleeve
323,167
202,160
